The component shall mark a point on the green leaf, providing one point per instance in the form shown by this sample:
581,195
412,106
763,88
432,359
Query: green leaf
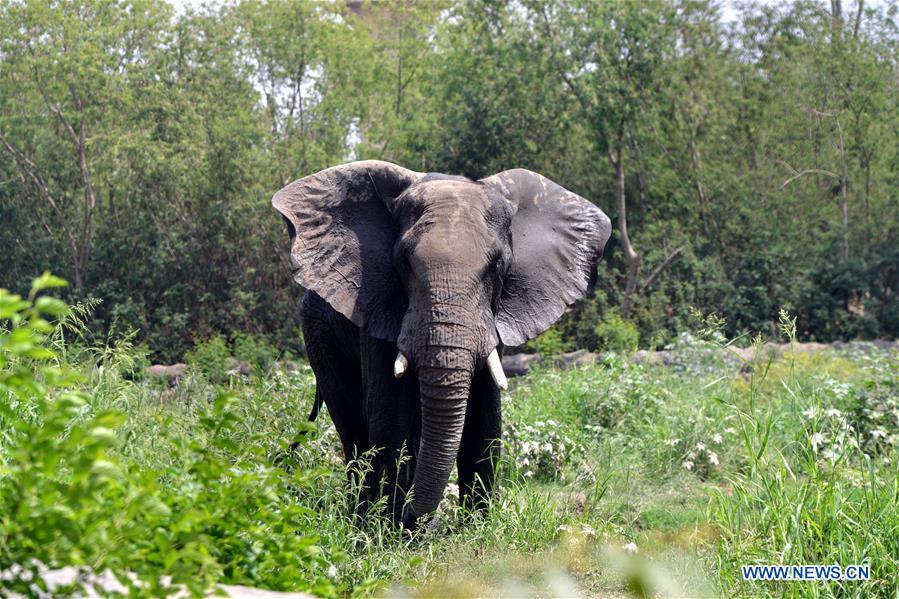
106,470
46,281
104,435
52,306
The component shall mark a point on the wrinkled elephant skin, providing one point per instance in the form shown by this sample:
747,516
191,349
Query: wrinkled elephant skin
415,282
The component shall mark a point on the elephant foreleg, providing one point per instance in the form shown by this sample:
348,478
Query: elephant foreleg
393,416
481,443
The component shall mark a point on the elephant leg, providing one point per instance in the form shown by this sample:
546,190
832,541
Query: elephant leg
481,443
332,344
393,417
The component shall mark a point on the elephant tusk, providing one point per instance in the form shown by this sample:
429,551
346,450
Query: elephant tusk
400,365
495,365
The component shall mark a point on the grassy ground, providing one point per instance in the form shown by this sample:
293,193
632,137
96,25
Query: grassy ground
698,467
616,479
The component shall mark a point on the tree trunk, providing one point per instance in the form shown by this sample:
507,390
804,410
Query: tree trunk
844,210
633,258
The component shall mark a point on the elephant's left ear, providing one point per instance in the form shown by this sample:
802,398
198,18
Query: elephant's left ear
557,238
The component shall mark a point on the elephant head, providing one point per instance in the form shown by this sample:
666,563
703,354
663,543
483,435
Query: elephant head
446,267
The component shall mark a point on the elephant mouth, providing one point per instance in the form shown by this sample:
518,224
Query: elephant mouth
494,366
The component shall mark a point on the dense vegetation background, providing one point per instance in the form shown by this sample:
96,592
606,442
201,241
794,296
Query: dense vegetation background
755,157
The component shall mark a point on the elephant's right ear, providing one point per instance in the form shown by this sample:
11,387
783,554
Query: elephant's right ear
342,236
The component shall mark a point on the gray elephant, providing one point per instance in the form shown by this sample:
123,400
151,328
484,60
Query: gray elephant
415,282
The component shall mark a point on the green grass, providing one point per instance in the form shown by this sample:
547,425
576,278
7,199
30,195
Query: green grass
701,465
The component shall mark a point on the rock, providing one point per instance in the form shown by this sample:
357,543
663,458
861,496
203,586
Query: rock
171,373
519,364
662,356
241,592
239,367
105,584
883,344
581,357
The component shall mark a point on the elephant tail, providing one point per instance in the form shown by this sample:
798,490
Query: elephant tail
316,406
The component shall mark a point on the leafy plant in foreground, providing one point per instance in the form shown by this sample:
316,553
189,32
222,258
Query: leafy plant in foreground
219,514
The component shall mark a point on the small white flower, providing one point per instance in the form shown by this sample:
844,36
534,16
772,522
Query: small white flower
713,458
810,413
547,447
730,430
833,413
630,548
717,438
700,447
817,439
332,571
687,464
879,434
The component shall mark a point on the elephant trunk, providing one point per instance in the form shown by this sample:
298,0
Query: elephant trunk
445,363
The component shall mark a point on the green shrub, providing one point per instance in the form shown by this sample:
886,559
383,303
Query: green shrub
613,333
254,350
218,512
549,343
212,358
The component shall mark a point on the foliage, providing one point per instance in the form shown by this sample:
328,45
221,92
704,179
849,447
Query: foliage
613,333
548,343
69,496
139,161
615,475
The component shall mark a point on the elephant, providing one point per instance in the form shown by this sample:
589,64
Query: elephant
415,282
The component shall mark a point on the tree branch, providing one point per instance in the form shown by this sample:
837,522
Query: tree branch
661,268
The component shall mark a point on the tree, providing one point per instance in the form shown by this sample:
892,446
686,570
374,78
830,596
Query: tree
64,77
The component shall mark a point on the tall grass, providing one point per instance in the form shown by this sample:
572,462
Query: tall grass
619,478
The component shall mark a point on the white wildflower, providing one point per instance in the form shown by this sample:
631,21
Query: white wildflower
547,447
833,413
700,447
810,413
687,464
332,571
717,438
879,433
730,430
713,458
817,439
630,548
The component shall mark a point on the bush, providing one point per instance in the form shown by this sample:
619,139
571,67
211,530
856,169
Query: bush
549,343
613,333
253,350
217,513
